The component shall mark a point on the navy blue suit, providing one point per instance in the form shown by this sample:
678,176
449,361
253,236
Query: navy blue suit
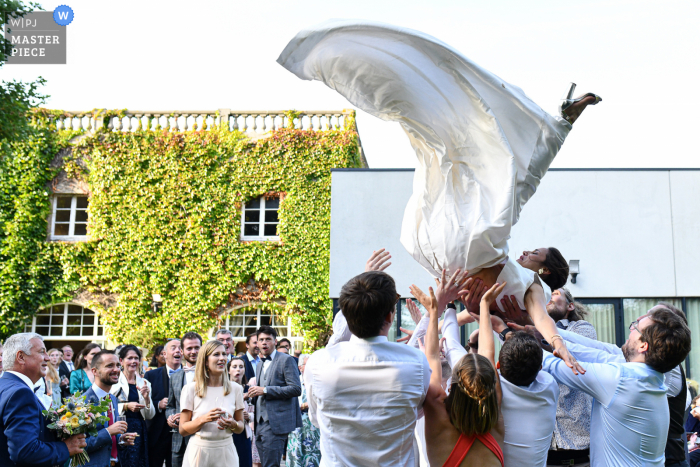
99,447
24,439
160,439
249,370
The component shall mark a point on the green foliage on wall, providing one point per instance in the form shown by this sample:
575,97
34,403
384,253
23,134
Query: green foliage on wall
165,217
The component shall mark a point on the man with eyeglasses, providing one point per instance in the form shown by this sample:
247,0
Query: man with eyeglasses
629,385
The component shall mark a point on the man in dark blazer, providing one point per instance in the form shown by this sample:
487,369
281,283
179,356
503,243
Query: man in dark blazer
277,410
251,357
160,439
64,370
24,438
191,343
103,447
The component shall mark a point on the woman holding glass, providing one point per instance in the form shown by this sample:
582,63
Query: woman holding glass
212,410
81,379
135,405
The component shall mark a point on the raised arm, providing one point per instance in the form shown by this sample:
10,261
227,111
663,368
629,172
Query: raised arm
486,344
536,308
450,332
599,381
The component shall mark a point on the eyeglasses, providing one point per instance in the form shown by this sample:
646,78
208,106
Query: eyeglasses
635,325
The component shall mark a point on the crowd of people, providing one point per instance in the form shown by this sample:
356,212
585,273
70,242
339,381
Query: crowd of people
363,400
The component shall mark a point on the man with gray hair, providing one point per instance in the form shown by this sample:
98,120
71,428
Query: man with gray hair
24,439
226,338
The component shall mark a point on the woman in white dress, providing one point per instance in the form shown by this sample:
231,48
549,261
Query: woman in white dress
482,145
212,410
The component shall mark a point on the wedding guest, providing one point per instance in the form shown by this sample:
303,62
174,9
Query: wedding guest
212,407
24,438
158,359
629,396
160,437
133,394
225,336
467,425
276,405
692,425
251,357
52,377
65,368
303,447
81,379
102,448
242,441
191,345
373,422
297,353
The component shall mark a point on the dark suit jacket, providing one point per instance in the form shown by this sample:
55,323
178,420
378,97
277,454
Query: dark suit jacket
283,391
177,381
249,370
24,439
160,388
99,447
64,371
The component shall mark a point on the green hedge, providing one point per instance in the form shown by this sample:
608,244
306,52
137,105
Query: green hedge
165,213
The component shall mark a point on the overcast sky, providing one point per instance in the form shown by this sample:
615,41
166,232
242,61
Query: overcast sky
642,57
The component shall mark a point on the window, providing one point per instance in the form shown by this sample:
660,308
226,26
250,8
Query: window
245,322
260,219
67,321
69,220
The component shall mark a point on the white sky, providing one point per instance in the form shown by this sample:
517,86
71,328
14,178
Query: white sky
642,57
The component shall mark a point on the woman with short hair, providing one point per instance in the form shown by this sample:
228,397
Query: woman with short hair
134,396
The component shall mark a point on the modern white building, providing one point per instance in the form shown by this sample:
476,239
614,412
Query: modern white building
634,232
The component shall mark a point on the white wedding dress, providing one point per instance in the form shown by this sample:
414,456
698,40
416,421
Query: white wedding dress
482,144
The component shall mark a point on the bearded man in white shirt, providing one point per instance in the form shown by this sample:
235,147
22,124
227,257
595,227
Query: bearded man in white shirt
364,394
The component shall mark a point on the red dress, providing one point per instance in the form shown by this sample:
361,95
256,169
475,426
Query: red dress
464,444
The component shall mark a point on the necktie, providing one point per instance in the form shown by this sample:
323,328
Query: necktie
113,454
170,372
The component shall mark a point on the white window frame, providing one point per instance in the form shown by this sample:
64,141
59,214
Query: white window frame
296,340
93,337
261,223
71,237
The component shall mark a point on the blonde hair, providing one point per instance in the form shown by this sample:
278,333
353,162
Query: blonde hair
201,372
472,404
52,374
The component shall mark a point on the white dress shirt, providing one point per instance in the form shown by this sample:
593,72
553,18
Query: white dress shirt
629,418
24,379
364,395
189,374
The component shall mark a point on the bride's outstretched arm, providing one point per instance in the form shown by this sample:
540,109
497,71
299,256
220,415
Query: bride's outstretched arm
536,308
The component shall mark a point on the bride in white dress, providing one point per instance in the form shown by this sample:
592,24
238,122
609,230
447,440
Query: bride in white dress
482,145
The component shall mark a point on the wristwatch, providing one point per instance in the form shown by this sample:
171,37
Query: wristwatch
505,332
452,305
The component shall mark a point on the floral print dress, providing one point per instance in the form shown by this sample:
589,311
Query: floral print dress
304,445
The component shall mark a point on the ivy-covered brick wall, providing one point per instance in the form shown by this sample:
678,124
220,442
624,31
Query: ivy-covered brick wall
165,218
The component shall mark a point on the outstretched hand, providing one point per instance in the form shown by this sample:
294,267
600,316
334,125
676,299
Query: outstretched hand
492,294
510,311
562,352
413,309
405,338
477,289
450,289
378,261
496,323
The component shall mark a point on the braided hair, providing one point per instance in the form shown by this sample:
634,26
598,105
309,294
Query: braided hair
472,404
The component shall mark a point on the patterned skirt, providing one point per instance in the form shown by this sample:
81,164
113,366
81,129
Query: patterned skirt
303,447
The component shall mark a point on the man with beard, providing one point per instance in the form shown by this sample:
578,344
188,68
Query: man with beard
102,448
630,414
191,343
160,437
572,430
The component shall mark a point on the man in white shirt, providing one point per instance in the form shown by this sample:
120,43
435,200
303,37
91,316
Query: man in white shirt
364,394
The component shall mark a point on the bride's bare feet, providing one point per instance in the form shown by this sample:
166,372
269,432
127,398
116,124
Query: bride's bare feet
576,108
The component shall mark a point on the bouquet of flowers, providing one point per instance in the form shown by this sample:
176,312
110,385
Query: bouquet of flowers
76,416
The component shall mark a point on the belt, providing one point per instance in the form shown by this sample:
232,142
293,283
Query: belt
568,457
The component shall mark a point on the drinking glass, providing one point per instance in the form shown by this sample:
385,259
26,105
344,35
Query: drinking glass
122,418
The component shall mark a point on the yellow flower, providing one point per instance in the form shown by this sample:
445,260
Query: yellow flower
75,422
68,414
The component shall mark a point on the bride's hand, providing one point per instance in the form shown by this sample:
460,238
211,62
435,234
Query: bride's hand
562,352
